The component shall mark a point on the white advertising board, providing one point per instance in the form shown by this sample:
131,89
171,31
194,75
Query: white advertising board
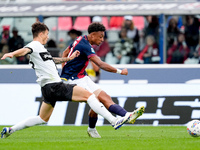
19,101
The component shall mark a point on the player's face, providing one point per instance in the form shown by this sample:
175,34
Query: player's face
98,37
45,37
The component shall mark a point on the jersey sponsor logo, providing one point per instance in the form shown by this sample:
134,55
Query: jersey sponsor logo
92,50
46,56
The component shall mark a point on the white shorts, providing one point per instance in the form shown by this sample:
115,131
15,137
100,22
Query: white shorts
85,83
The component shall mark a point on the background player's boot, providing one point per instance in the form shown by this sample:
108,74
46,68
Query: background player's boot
93,133
6,132
135,114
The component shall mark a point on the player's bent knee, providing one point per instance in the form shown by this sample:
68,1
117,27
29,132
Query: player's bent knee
97,92
103,96
105,99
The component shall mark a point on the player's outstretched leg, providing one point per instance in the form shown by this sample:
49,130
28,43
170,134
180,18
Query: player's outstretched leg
7,131
135,114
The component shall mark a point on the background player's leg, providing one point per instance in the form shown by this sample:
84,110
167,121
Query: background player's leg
92,118
92,132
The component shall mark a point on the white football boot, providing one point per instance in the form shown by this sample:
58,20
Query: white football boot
122,120
135,114
93,133
7,131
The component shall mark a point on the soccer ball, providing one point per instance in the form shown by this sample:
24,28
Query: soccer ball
193,128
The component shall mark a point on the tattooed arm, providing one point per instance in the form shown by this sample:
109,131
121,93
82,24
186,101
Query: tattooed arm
59,60
65,54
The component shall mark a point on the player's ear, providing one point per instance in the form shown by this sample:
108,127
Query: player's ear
92,34
40,34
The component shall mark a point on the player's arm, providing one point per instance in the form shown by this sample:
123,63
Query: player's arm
59,60
17,53
106,66
65,54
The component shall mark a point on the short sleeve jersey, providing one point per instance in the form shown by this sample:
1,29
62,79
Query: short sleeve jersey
75,68
43,64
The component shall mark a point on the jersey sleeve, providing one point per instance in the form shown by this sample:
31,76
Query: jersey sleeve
34,46
89,51
29,46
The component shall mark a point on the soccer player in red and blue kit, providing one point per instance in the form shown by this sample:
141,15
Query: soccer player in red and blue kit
73,72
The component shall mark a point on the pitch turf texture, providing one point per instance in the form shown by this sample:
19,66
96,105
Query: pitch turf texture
76,138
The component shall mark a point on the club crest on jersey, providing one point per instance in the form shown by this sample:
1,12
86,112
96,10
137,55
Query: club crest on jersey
46,56
92,50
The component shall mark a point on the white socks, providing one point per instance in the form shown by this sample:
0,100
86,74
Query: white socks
29,122
100,109
92,101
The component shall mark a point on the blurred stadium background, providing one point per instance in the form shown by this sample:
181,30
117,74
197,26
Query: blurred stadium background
170,93
61,16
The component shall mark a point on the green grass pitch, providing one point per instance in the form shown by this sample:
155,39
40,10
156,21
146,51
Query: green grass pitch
126,138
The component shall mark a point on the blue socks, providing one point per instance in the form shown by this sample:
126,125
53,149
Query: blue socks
92,122
118,110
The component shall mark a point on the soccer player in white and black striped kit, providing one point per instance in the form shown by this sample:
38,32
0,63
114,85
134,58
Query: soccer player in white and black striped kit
53,89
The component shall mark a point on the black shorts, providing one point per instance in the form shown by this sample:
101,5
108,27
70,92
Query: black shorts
57,92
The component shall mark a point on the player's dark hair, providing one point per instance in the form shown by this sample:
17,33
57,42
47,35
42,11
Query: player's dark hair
38,27
95,27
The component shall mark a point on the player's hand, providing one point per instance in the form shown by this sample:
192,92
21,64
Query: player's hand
124,72
7,55
74,54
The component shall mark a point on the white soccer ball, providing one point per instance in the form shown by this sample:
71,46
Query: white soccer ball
193,128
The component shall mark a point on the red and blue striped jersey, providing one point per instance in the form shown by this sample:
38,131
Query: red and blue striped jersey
75,68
